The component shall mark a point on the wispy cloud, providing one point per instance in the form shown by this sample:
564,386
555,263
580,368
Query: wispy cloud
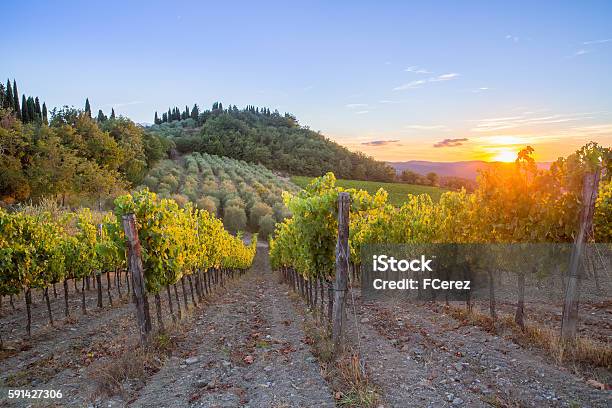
356,105
417,70
380,142
593,130
362,112
578,53
594,42
410,85
512,38
444,77
451,142
481,89
527,119
421,82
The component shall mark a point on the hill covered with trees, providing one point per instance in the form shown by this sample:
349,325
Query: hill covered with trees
70,156
259,135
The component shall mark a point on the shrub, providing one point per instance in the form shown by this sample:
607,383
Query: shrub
209,204
280,211
234,219
151,182
171,181
235,201
266,225
259,210
180,199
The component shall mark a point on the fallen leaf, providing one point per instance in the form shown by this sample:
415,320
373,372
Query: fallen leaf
596,384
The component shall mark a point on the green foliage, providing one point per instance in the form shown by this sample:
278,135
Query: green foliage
216,183
266,225
512,204
38,247
258,211
398,192
176,241
234,219
268,138
75,158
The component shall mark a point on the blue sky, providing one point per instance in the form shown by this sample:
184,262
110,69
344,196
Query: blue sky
404,75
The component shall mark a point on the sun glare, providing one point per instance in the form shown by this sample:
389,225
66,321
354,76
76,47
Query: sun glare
504,155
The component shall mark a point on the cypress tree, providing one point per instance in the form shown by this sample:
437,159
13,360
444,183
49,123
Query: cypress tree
16,100
24,110
9,101
101,116
31,106
156,120
195,112
38,110
169,116
112,116
44,114
2,95
87,107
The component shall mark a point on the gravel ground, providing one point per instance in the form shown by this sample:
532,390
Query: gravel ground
421,357
245,350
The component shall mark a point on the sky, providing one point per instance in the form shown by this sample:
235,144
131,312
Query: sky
429,80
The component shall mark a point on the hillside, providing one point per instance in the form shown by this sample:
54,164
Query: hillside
463,169
246,196
398,192
257,135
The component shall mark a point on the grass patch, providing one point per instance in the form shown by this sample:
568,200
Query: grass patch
398,192
345,373
112,376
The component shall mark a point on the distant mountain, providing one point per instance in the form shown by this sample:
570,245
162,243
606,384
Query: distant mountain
464,169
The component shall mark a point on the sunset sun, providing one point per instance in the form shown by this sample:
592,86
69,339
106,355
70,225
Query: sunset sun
504,155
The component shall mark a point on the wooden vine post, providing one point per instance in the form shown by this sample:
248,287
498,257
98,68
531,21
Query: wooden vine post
569,322
136,271
99,273
342,267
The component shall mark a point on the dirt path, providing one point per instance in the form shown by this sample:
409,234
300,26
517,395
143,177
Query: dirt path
421,358
244,350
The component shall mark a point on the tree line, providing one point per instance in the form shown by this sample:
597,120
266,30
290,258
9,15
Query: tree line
29,110
260,135
175,114
435,180
71,157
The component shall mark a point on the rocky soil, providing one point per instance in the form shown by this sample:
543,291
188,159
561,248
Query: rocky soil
246,346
